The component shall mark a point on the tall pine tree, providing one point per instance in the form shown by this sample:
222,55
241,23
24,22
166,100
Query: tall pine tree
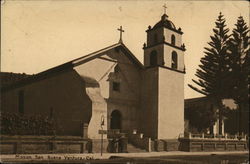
239,55
213,71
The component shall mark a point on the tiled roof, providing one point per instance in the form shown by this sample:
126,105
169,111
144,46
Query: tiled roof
8,78
204,102
71,64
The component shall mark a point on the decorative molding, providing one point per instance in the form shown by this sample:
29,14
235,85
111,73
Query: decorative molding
125,102
177,31
184,72
164,42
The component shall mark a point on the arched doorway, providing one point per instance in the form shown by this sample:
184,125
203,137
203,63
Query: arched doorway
116,120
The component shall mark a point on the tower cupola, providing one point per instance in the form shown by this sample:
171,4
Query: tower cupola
165,22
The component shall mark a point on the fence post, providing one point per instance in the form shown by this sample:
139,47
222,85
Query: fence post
149,145
134,131
189,135
225,135
83,144
202,136
85,130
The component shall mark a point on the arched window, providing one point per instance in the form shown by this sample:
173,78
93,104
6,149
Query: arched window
153,58
116,120
173,40
174,60
155,38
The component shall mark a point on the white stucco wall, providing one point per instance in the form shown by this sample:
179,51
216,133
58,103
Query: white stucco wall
160,53
149,103
99,70
168,57
171,104
126,100
62,92
151,36
178,38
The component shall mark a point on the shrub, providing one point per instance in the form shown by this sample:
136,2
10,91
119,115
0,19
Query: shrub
16,124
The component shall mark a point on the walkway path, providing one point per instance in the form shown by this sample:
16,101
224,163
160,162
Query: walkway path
84,157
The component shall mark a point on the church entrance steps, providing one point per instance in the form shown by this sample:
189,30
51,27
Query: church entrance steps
132,149
140,141
165,145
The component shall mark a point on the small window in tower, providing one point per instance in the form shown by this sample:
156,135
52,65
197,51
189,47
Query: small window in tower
173,40
116,86
155,38
153,58
21,102
174,60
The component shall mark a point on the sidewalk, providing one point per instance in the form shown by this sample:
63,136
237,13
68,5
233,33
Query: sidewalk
97,156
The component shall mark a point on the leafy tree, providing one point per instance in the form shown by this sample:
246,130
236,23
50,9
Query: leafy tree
200,119
239,66
214,69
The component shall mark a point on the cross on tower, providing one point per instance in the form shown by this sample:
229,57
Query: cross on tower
165,8
121,31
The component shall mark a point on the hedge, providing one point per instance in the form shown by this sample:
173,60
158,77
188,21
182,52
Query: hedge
18,124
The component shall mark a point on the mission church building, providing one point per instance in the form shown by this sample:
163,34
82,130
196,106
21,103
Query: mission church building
113,86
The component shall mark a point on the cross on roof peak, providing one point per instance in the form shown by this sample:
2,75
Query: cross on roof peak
121,31
165,8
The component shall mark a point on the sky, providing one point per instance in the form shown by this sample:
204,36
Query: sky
38,35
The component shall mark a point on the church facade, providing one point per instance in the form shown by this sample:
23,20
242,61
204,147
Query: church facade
112,89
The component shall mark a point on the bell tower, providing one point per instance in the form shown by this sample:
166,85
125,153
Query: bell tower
164,45
163,81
